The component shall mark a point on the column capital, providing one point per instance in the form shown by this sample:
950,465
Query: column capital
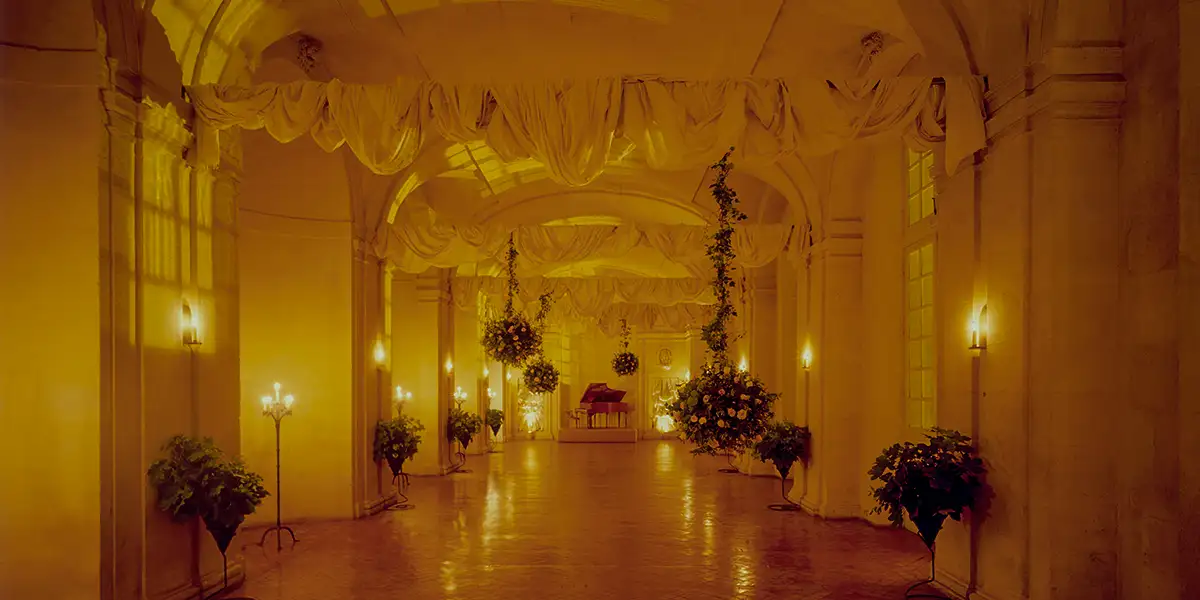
842,238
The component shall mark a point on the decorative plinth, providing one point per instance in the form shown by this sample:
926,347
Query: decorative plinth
611,435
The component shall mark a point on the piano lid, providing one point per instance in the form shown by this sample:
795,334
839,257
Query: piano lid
600,392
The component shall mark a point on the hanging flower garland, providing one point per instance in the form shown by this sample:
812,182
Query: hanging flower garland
723,410
541,376
624,362
511,339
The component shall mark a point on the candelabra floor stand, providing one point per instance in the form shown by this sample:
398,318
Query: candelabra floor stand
278,527
788,505
460,461
400,480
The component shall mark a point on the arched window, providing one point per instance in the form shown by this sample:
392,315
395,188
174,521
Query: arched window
920,388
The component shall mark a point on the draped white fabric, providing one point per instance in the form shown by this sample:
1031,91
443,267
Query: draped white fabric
419,245
575,128
587,296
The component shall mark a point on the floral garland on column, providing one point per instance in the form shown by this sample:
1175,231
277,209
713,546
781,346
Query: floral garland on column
541,376
511,339
723,410
624,362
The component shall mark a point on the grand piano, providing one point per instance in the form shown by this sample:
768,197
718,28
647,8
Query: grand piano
602,404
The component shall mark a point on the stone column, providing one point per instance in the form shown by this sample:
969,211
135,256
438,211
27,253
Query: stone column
423,344
468,369
834,416
372,391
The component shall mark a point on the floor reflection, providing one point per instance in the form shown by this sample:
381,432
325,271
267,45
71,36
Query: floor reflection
564,521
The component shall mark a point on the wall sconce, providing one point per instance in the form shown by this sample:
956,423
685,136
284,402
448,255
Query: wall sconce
508,376
449,366
806,358
687,375
490,393
486,373
744,365
459,396
189,326
380,353
979,330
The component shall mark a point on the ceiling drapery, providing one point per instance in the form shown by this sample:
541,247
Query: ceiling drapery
575,128
419,245
587,296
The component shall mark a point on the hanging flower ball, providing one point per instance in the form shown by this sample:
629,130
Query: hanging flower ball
722,410
625,363
541,376
511,340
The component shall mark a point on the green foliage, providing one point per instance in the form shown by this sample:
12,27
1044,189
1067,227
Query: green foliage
783,444
396,440
720,252
541,376
495,420
512,339
929,481
625,363
722,410
461,426
195,480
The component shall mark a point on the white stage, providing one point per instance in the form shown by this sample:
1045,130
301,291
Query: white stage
604,435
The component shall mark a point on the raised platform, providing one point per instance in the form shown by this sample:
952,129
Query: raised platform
606,435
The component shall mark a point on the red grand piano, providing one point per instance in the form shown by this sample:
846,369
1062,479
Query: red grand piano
601,402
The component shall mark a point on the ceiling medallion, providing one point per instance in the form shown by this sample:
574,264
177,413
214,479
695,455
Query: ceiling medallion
665,358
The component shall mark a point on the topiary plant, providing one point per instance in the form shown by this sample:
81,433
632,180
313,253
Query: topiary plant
783,444
461,426
195,480
928,481
495,420
396,441
511,339
624,362
541,376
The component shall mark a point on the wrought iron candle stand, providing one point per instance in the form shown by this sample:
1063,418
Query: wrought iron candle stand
399,477
277,409
731,468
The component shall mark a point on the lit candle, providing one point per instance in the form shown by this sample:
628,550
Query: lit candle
266,402
277,386
380,352
486,372
287,401
806,358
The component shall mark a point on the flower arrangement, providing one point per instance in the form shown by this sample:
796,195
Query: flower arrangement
396,441
541,376
461,426
195,480
722,410
783,444
928,481
511,339
495,420
624,362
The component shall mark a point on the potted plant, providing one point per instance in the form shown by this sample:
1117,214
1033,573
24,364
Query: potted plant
495,420
783,444
195,480
928,482
724,409
461,427
396,441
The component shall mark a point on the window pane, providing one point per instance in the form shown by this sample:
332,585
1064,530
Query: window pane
913,156
927,291
914,414
926,353
914,209
928,414
914,384
927,196
914,354
927,384
927,321
927,259
914,325
914,294
914,179
914,264
927,168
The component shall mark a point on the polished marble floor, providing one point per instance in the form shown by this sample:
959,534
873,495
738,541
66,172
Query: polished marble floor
571,521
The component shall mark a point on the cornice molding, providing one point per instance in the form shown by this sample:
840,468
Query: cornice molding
1084,82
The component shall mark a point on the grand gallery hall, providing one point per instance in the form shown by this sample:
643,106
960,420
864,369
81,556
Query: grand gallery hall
599,299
